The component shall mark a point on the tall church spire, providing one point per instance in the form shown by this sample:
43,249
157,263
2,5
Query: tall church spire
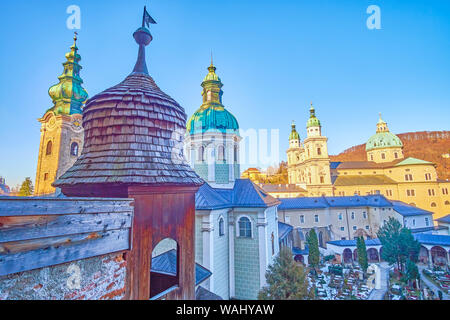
68,95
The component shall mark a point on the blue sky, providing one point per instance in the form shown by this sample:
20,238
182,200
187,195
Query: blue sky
273,57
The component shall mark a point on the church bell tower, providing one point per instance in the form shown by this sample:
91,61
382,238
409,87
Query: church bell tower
61,126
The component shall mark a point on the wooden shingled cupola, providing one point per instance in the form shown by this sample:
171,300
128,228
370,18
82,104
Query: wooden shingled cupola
133,142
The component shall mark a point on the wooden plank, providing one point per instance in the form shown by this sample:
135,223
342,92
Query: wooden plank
60,250
34,227
45,206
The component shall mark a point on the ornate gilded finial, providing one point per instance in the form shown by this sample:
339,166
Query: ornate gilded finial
143,38
212,68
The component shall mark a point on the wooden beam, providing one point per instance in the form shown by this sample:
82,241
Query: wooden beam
33,254
54,206
34,227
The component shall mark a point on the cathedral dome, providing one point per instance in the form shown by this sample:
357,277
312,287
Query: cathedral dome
133,135
212,115
212,119
383,138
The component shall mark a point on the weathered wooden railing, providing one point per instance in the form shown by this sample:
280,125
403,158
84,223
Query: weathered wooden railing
42,232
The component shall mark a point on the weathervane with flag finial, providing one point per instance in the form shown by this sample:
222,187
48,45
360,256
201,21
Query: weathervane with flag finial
147,19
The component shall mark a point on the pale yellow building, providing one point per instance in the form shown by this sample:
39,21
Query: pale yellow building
61,126
386,172
309,162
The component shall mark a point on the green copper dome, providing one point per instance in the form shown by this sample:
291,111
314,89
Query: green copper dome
212,115
312,121
383,138
68,95
294,134
212,119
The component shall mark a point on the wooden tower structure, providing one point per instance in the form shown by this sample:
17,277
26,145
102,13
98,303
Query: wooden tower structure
133,142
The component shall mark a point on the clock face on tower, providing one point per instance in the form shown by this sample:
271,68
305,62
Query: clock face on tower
76,125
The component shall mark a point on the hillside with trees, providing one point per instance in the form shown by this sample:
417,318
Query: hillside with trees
433,146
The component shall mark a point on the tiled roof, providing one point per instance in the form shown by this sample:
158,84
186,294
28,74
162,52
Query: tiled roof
303,203
166,263
207,198
334,164
203,294
245,194
411,160
284,229
407,210
325,202
281,188
352,243
427,229
357,180
445,219
432,239
365,165
133,134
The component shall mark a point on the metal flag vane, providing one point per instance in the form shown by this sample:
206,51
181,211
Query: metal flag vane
147,19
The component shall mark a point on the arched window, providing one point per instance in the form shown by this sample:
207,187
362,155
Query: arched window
48,150
319,151
221,227
245,228
201,154
433,205
447,203
396,155
74,149
235,154
221,153
383,156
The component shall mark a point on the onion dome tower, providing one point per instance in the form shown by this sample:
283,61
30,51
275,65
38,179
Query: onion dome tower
212,136
61,126
313,127
316,164
294,137
384,146
133,146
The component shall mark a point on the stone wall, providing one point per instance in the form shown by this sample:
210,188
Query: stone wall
64,248
98,278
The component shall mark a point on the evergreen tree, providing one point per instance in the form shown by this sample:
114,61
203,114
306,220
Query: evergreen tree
362,254
412,272
286,280
26,188
398,244
313,246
